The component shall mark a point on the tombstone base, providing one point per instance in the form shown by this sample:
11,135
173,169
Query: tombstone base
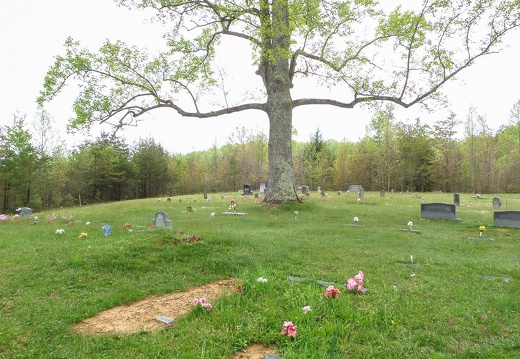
235,213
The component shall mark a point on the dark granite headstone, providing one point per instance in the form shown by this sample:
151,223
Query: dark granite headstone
456,199
447,211
507,219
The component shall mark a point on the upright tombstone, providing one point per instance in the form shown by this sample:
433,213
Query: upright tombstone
247,189
25,211
446,211
205,195
354,188
262,188
497,203
319,189
161,220
361,193
381,193
507,219
456,199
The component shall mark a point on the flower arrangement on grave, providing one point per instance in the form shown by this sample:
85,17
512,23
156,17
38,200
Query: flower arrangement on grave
106,230
16,217
356,220
82,235
203,303
51,218
3,217
296,213
289,329
332,292
410,225
60,231
482,229
355,284
127,225
306,309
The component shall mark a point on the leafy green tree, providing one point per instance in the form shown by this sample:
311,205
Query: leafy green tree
367,55
18,160
151,164
448,158
416,154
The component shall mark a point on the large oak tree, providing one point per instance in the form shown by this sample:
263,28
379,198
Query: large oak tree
357,50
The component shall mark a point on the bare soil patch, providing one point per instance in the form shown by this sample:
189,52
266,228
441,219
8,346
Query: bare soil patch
139,316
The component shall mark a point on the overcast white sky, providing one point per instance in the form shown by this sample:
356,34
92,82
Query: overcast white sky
32,32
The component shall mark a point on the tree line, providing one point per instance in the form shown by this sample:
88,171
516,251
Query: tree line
393,156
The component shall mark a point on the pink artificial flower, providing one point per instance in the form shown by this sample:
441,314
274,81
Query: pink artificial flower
208,306
352,284
332,292
306,309
360,287
360,276
195,301
202,301
290,329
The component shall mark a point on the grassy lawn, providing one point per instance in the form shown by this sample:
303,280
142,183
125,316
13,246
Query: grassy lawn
459,299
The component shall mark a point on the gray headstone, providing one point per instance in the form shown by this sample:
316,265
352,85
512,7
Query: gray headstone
456,199
263,188
354,188
161,220
361,193
497,203
319,189
447,211
507,219
25,211
381,193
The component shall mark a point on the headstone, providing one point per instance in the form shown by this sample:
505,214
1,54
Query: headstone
381,193
507,219
25,211
161,220
305,189
447,211
361,193
354,188
189,209
319,189
456,199
497,203
168,199
247,189
263,188
205,195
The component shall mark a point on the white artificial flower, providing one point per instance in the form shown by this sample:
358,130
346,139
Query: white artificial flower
262,280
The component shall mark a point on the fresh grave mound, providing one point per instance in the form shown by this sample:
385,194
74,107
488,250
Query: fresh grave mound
256,351
139,316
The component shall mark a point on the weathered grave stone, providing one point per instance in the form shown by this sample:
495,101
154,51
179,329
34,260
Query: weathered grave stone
263,188
168,199
361,193
354,188
319,189
25,211
497,203
507,219
446,211
456,199
205,195
189,209
161,220
381,193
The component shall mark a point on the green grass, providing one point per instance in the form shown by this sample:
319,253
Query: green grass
444,307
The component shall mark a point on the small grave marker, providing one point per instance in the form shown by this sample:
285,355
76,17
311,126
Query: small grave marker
497,203
25,211
165,320
456,199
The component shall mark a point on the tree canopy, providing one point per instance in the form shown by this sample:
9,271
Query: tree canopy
366,52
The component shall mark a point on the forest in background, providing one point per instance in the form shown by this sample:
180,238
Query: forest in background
38,172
